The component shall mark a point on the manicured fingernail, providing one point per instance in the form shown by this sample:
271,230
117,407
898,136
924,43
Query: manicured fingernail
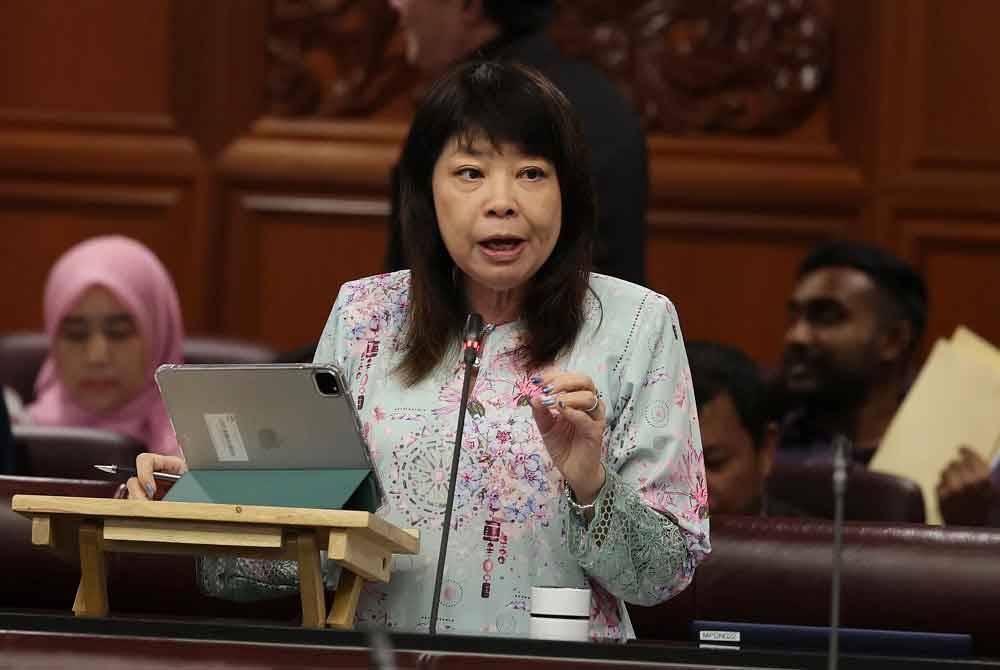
548,388
150,490
536,380
548,401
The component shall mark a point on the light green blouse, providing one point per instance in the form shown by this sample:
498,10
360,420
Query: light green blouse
512,528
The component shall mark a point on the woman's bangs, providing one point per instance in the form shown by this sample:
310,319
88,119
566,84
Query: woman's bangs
515,118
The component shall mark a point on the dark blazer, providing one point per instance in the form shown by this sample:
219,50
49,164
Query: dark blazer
618,155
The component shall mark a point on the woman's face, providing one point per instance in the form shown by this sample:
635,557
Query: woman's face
499,211
99,353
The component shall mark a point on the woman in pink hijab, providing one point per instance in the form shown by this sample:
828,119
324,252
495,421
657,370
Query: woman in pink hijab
112,316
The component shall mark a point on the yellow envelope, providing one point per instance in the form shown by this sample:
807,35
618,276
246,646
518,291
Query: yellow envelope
968,342
954,401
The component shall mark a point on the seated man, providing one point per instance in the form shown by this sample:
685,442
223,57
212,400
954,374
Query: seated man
737,437
857,316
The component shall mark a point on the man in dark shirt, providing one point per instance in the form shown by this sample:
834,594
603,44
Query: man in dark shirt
857,315
737,435
442,32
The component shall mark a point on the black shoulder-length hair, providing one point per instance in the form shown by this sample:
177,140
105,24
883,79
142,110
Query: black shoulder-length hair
504,104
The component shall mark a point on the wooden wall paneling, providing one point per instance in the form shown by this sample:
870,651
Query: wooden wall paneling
166,97
751,172
856,94
959,255
102,155
958,103
238,297
88,56
730,272
61,185
204,251
288,255
307,211
903,66
944,92
41,219
353,156
218,68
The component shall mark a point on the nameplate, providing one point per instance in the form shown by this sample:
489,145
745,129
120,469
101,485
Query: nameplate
732,636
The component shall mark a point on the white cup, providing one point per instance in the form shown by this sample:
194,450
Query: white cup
560,613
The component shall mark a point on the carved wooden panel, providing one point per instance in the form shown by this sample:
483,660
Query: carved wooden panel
287,256
85,56
730,273
708,65
41,219
736,66
335,58
959,255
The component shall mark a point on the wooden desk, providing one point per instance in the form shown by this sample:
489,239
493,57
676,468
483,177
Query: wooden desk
46,641
84,529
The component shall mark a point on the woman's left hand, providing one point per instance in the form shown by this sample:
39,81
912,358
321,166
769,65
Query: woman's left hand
571,420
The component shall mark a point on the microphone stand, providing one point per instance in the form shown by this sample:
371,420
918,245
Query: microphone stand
470,353
840,449
382,655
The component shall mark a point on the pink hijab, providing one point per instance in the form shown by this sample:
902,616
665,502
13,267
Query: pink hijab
139,281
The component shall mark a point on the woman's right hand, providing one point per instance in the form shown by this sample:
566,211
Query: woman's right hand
143,486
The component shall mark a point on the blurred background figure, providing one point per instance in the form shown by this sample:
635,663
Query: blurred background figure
440,33
737,435
7,461
856,318
112,317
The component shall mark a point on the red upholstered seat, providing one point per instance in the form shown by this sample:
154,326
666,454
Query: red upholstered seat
895,576
70,453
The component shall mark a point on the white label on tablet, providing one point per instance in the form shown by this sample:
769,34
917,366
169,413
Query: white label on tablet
225,435
719,636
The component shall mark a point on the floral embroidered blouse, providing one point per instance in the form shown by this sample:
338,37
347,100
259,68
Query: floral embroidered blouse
512,527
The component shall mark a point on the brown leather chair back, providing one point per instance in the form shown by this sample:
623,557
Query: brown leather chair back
895,576
870,496
225,350
35,577
22,355
70,453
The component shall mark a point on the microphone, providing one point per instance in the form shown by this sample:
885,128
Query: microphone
841,447
472,340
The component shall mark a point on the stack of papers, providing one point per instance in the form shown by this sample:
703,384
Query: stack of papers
955,401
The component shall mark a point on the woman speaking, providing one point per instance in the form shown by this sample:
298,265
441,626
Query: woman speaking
581,461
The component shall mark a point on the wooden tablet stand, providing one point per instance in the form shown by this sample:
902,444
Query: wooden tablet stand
84,528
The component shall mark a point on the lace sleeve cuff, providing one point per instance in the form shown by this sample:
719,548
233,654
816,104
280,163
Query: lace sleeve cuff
250,579
635,552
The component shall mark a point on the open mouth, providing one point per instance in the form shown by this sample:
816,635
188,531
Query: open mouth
502,247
